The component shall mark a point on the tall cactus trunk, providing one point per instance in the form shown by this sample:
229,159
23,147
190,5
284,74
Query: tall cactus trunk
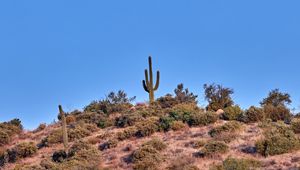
64,127
148,83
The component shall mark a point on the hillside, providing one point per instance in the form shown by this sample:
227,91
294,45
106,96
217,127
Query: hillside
170,133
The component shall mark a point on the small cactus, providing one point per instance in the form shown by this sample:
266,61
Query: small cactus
148,83
64,127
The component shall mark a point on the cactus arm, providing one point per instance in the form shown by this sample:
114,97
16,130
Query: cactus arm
157,81
145,86
147,78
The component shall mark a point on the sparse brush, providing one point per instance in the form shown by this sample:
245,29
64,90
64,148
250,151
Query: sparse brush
213,148
229,127
237,164
232,113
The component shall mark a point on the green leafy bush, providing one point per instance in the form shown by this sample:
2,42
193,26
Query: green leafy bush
213,148
253,114
183,162
232,112
128,120
218,97
237,164
202,118
276,113
178,125
148,156
147,127
156,144
278,139
9,129
4,138
228,127
165,123
25,149
111,143
127,133
183,111
295,125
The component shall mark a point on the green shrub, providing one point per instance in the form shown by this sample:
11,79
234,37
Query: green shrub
9,129
229,127
218,97
3,157
81,156
199,143
40,128
178,125
232,113
111,143
276,113
237,164
127,133
25,149
165,123
183,162
128,120
202,118
59,156
156,144
213,148
183,111
145,158
278,139
147,127
167,101
295,125
4,138
253,114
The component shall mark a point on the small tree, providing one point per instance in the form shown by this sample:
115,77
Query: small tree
183,95
218,97
277,98
275,105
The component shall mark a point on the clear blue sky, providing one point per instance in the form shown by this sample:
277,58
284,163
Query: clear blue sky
72,52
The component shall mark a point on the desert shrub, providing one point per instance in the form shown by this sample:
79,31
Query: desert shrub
25,149
114,102
202,118
218,97
9,129
3,157
226,137
253,114
276,113
183,95
232,113
78,133
165,123
41,127
4,138
147,127
100,119
229,127
81,156
70,119
295,125
146,157
128,120
156,144
198,144
237,164
127,133
111,143
213,148
59,156
12,155
183,162
184,111
278,139
178,125
275,105
167,101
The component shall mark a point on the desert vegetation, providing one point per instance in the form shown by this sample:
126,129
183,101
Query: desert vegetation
171,132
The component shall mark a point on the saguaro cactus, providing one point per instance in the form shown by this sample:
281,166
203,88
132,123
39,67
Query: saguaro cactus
64,127
148,83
